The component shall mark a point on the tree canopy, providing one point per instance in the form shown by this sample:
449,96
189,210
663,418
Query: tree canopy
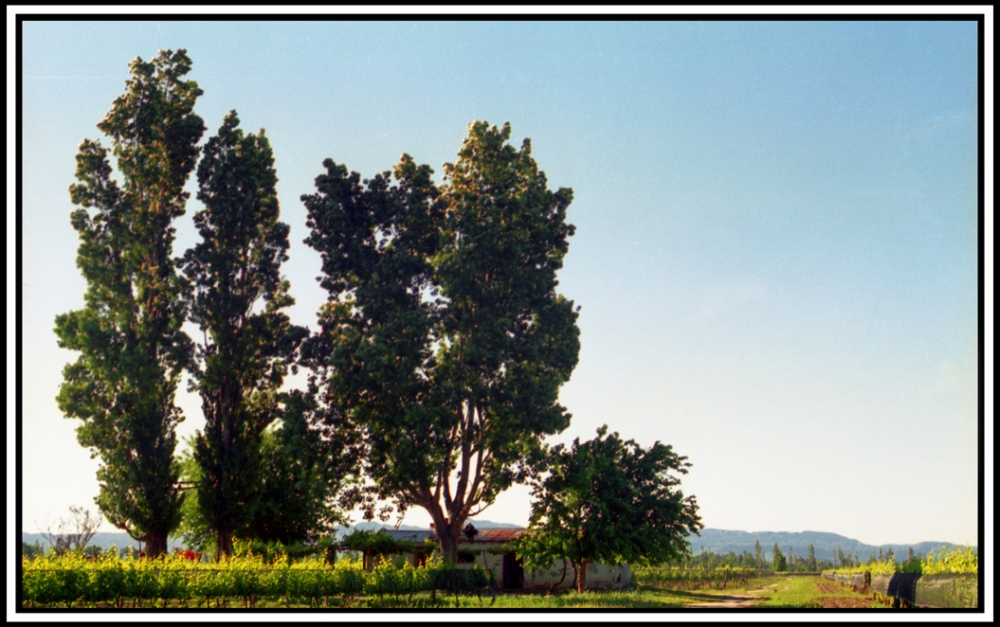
443,340
132,348
248,349
609,501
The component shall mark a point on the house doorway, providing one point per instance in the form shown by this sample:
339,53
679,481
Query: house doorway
513,571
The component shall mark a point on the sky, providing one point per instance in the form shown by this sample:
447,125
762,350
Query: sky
775,249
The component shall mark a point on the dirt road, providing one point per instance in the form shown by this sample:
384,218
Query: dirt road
726,601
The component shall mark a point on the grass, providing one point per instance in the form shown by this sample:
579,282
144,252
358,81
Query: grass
771,592
806,592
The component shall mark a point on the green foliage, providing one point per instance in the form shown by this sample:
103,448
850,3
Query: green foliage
709,560
132,348
70,578
812,564
304,469
458,580
610,501
951,560
378,542
947,560
31,550
194,528
443,339
681,578
246,353
779,563
297,492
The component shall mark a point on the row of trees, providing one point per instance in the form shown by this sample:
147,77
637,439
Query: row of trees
432,380
778,562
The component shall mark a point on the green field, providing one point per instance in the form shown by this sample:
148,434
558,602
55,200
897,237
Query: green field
768,592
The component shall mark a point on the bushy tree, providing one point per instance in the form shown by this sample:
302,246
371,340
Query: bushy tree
304,471
237,298
606,500
300,481
132,348
779,563
443,340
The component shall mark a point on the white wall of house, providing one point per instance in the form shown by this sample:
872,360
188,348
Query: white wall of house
599,576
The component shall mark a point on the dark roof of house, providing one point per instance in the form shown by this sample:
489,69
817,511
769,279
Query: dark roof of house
498,536
408,535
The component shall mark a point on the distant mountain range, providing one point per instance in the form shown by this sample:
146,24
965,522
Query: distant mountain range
825,544
719,541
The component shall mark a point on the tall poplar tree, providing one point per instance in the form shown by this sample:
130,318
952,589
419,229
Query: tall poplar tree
443,339
133,350
237,298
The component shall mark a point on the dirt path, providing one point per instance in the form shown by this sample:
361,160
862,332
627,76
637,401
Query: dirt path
726,601
840,601
843,602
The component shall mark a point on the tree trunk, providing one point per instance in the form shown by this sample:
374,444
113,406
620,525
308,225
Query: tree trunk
581,581
156,543
447,533
223,544
449,546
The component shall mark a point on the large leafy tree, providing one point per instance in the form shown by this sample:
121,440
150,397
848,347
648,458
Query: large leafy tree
133,350
609,501
249,343
444,340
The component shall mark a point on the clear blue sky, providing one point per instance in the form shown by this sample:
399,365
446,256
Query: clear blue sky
775,247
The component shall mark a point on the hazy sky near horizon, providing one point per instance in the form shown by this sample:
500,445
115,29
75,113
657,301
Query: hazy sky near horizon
775,249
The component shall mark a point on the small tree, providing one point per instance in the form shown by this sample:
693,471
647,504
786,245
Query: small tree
778,562
303,474
301,477
811,560
758,559
606,500
75,533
